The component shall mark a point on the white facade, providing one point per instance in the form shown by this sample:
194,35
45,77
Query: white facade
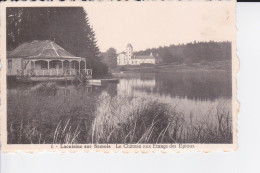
129,52
138,61
128,58
122,59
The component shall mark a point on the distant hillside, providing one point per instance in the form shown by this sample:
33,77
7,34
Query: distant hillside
192,52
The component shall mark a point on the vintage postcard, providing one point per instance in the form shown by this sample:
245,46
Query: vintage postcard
118,76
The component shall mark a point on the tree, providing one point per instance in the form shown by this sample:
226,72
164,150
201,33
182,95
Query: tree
67,26
111,57
192,52
167,56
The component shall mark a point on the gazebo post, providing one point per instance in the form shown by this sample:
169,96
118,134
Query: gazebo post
48,67
79,64
32,64
86,67
70,66
34,68
62,66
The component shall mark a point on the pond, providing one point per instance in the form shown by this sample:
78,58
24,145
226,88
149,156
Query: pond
196,96
196,92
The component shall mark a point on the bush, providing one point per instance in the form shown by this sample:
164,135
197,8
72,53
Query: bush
188,61
99,69
123,68
146,65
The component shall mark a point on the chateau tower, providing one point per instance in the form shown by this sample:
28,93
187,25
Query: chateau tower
128,58
129,52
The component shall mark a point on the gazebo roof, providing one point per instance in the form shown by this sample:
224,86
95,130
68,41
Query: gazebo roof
38,49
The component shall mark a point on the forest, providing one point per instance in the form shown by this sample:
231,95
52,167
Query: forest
192,52
69,27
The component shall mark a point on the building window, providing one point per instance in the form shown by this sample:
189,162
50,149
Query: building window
9,64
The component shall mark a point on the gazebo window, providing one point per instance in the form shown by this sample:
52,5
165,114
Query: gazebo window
44,65
52,64
9,64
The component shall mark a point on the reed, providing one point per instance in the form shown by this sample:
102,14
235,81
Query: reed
142,120
45,119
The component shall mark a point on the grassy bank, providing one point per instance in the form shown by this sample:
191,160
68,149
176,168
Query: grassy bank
203,66
39,117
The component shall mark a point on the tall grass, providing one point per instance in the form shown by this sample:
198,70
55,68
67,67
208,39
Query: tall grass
47,116
142,120
41,118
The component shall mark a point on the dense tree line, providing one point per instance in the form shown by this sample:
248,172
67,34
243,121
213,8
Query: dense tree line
192,52
67,26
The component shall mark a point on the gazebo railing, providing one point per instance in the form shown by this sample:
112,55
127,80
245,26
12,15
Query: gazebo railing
54,72
12,72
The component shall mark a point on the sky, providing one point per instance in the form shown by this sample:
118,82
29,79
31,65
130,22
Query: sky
153,24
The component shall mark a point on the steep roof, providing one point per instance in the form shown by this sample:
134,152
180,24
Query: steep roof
40,49
129,45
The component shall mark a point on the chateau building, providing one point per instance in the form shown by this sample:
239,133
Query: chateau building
128,58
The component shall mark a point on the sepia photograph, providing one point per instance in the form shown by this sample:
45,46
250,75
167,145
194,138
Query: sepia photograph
120,73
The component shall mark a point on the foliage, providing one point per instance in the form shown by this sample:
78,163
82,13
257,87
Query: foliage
188,61
100,69
109,58
67,26
197,52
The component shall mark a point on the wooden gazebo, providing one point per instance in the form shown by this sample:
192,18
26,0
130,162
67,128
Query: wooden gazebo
45,60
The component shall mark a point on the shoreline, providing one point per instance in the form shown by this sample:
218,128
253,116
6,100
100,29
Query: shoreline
222,66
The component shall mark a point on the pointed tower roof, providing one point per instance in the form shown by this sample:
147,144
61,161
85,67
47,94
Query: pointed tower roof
129,45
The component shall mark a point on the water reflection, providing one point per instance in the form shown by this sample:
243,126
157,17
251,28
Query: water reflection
57,89
195,86
193,93
130,86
